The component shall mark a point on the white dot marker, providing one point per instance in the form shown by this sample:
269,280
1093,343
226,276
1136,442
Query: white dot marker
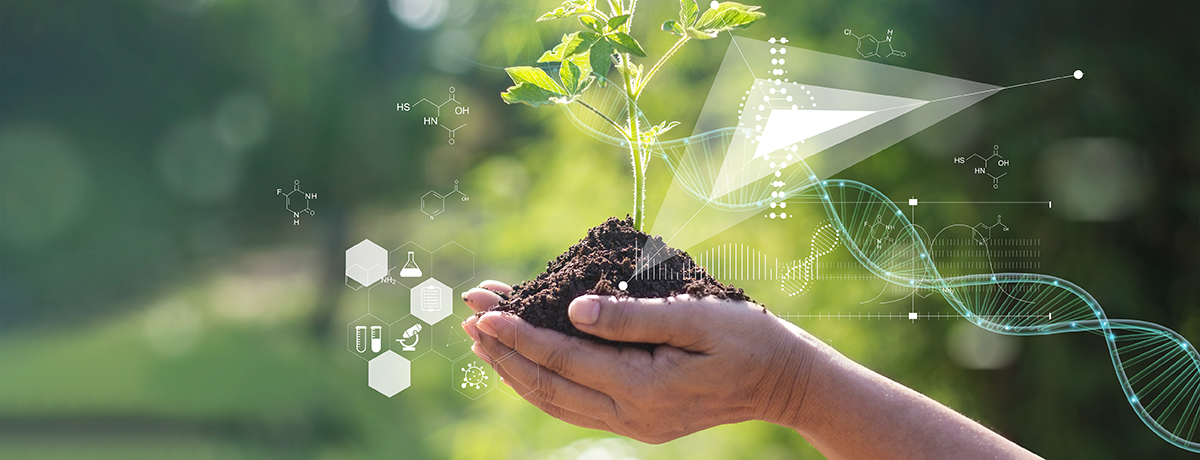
1078,74
622,285
714,4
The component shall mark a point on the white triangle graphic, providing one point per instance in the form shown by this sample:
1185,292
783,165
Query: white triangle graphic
811,120
786,126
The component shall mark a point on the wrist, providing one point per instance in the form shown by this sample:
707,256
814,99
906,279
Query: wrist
793,387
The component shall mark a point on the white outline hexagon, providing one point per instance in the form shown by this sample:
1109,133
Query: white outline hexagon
426,272
434,262
426,332
366,263
350,336
389,372
456,383
538,383
464,334
445,307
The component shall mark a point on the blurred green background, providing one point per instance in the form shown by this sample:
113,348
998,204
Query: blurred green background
156,300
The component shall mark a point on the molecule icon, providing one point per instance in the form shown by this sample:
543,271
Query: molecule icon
293,204
473,376
983,232
457,109
993,166
434,203
869,46
878,231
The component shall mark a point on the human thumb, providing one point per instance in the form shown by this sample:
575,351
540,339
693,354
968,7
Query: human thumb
672,322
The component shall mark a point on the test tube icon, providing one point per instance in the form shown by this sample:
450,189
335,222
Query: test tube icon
376,338
360,343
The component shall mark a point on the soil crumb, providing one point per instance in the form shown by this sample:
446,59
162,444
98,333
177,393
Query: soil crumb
597,265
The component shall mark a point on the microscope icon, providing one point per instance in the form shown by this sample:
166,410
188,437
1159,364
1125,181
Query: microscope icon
411,333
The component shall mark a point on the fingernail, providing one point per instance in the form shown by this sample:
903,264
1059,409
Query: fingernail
584,311
469,326
485,325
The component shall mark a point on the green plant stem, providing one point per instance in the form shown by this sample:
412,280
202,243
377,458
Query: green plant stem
635,143
657,65
616,9
632,8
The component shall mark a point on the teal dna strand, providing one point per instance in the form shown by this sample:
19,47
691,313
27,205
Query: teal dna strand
1158,370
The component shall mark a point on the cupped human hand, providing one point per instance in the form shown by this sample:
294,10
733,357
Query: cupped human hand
717,362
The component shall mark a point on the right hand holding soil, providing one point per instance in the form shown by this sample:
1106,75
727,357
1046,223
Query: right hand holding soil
718,362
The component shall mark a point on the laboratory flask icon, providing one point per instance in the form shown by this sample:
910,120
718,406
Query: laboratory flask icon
410,270
431,297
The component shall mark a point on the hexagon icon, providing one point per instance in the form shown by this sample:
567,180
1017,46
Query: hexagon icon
447,338
410,338
388,373
453,264
367,336
412,264
366,263
430,301
472,377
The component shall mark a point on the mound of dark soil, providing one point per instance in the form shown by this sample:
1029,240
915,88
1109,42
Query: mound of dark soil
597,265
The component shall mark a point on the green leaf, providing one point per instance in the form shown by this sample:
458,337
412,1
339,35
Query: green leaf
569,8
600,58
585,84
534,76
650,135
728,15
572,44
687,12
592,23
673,27
569,74
624,43
530,94
616,21
579,43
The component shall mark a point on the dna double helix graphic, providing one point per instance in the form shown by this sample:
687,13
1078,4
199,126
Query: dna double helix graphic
1158,370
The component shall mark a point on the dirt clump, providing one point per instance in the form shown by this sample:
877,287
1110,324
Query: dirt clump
597,265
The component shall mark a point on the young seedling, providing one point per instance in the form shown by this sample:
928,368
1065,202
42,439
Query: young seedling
586,57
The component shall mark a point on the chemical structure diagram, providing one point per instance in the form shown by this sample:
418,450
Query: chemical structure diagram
436,205
869,46
879,232
995,161
983,232
458,109
294,207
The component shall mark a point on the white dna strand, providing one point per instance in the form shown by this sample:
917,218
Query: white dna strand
1158,370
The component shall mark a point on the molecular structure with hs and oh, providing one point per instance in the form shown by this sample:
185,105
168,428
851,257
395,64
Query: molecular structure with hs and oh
994,166
293,204
458,109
